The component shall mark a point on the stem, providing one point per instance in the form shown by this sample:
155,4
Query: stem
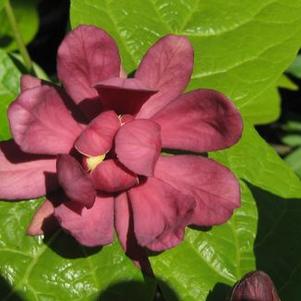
17,35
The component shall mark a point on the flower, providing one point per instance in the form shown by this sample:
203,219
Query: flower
255,286
94,146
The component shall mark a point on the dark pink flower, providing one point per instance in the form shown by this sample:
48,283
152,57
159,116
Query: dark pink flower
95,146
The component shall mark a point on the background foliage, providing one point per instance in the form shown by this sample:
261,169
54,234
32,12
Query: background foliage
241,52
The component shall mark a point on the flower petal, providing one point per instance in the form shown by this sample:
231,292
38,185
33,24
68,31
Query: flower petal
213,186
28,82
41,123
111,176
25,176
44,212
124,96
75,182
98,136
90,227
87,56
167,67
160,214
202,120
138,145
126,235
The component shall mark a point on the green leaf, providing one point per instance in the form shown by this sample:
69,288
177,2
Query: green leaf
27,20
253,160
285,82
211,260
2,2
295,67
9,88
278,245
294,159
60,269
292,139
241,52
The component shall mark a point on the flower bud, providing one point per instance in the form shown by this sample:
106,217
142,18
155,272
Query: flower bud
255,286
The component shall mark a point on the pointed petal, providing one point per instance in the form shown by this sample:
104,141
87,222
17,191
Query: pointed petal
213,186
90,227
28,82
160,214
125,232
87,56
124,96
44,212
75,182
201,121
98,136
138,145
25,176
111,176
41,123
167,67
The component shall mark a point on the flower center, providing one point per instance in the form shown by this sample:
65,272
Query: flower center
92,162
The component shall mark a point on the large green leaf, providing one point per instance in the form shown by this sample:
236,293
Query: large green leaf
241,47
60,269
9,88
278,245
211,260
252,159
27,19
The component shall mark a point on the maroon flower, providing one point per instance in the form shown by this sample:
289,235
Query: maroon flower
94,147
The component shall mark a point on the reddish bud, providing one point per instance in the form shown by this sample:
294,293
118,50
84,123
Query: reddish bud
255,286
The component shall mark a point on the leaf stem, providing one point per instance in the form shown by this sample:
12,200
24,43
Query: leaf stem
17,35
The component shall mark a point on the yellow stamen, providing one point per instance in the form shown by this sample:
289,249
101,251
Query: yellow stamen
92,162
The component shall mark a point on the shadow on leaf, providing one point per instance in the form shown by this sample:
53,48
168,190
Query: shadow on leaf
66,246
136,291
220,292
278,244
6,291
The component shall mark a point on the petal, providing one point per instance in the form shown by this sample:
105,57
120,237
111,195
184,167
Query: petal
160,214
138,145
111,176
25,176
75,182
44,212
41,123
201,121
87,56
213,186
98,136
126,235
167,67
124,96
90,227
28,82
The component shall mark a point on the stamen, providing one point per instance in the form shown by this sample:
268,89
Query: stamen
92,162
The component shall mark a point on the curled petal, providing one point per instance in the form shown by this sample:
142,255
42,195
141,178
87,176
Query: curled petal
111,176
201,121
28,82
44,212
87,56
25,176
138,145
166,67
90,227
160,214
124,96
41,123
98,136
75,182
213,186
